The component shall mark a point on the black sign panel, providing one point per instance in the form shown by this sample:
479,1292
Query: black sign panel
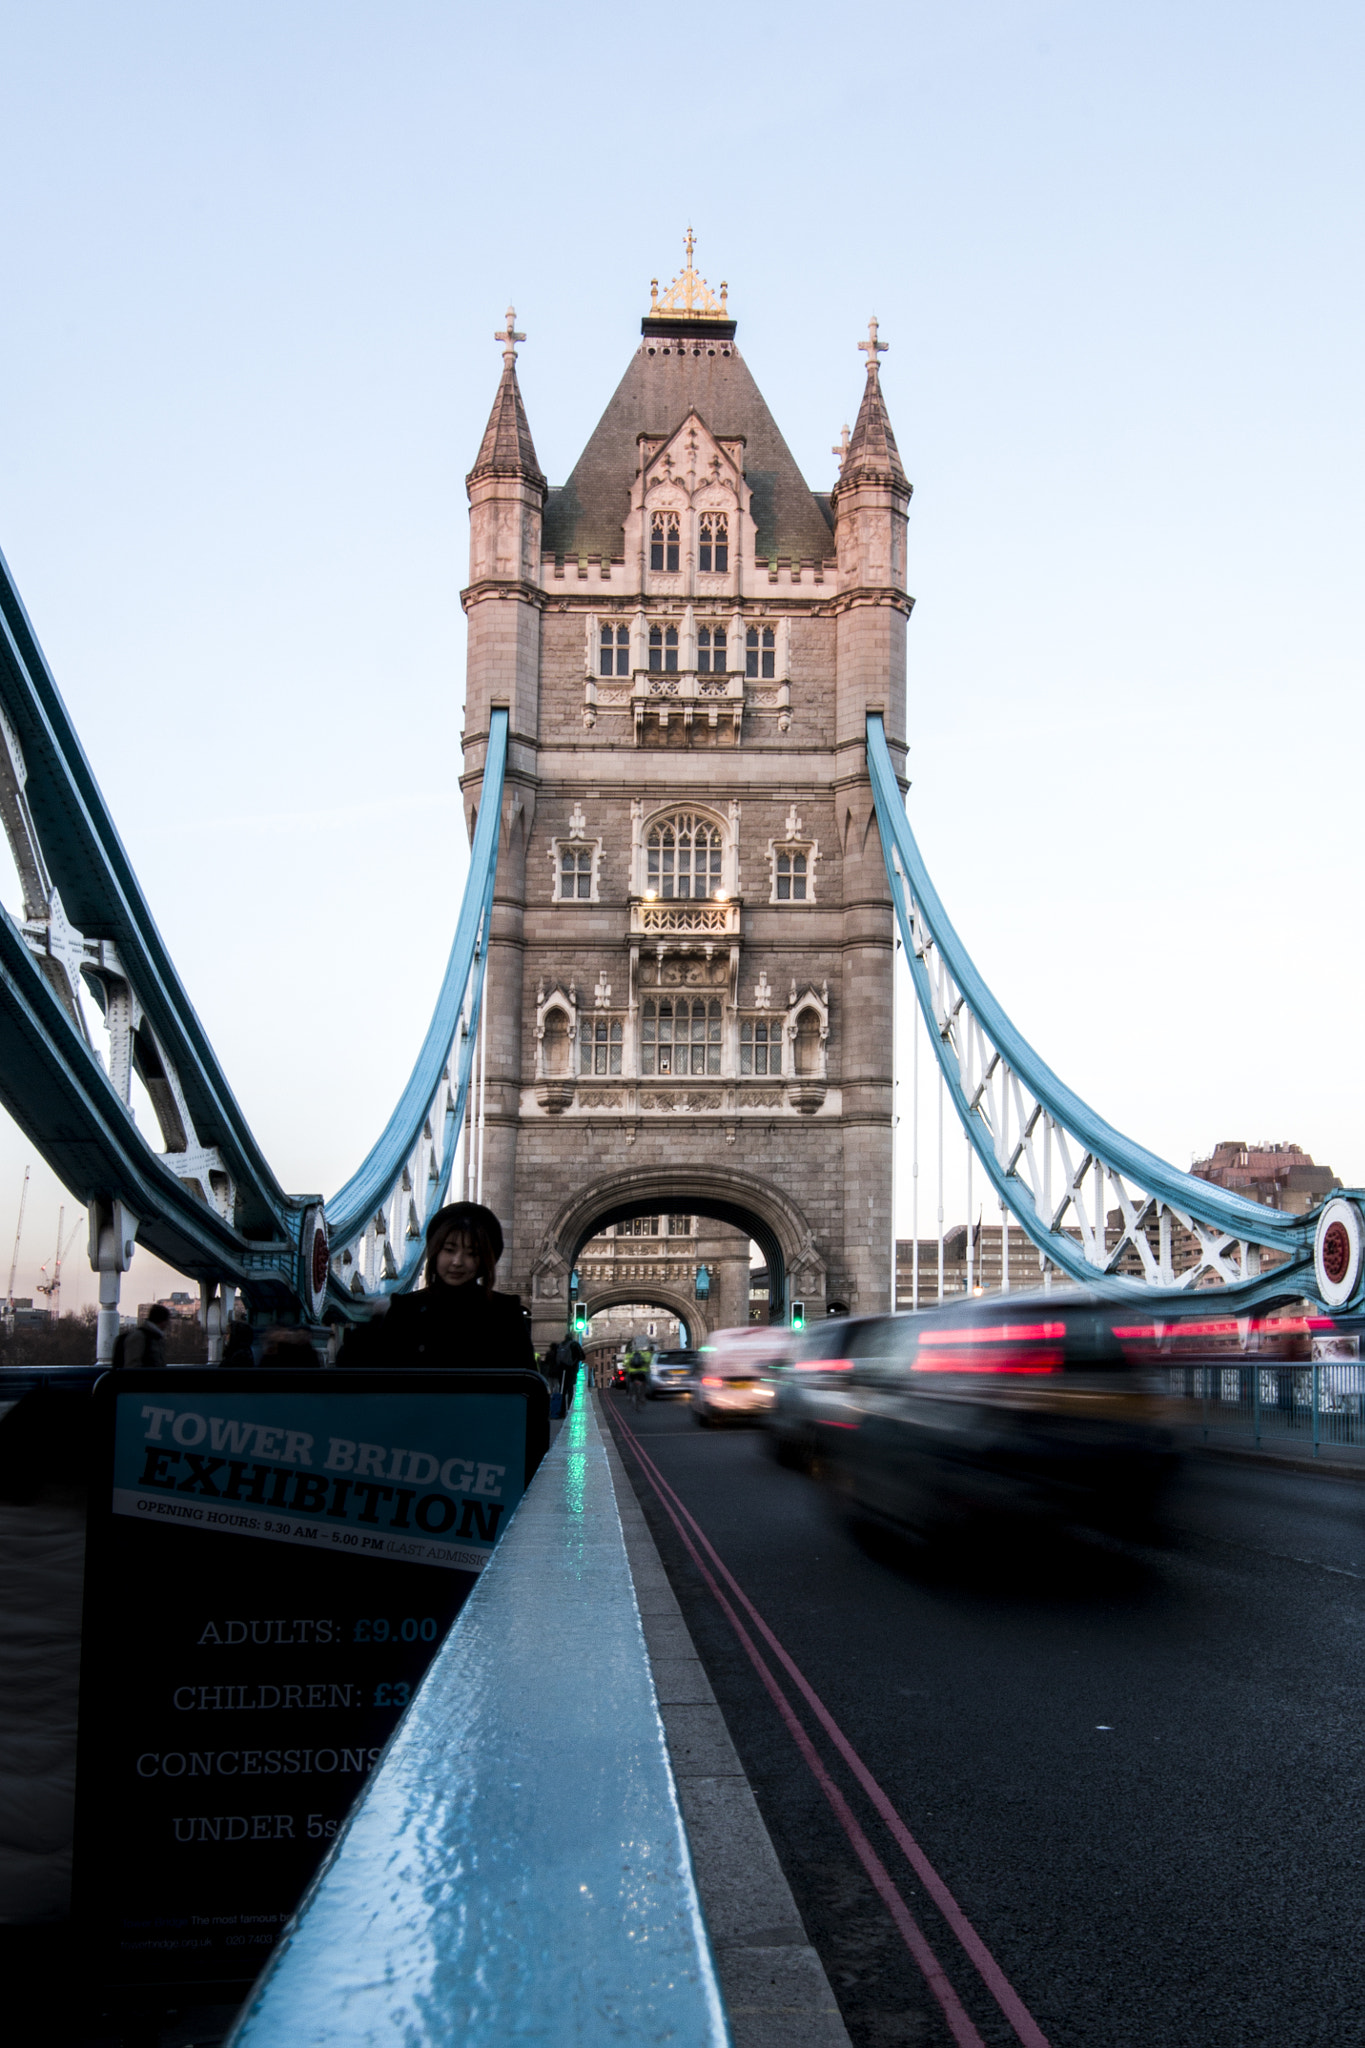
273,1559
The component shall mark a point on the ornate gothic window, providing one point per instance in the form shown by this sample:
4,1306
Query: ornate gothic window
639,1226
795,860
760,1046
714,547
663,650
615,651
575,874
680,1035
683,857
791,877
711,650
680,1226
663,543
599,1045
760,651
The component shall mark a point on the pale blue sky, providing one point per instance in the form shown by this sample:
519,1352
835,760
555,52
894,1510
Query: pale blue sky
254,259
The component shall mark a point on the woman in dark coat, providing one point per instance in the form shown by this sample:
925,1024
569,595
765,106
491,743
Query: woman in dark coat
454,1319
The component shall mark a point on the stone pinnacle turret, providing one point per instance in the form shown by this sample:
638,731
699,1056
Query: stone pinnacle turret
872,456
507,449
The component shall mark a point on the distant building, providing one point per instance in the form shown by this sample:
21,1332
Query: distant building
988,1264
1278,1176
184,1307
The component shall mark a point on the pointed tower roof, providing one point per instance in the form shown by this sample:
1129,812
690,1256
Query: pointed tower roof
872,456
687,362
507,448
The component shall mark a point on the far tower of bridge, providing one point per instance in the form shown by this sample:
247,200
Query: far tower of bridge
689,1006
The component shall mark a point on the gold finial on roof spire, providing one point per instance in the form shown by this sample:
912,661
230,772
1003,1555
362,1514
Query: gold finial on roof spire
689,297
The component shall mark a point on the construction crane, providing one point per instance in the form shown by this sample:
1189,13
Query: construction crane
53,1288
19,1231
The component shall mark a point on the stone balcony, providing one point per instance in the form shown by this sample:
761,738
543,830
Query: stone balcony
686,696
684,918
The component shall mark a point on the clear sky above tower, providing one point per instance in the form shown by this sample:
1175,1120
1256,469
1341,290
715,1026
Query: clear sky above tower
256,257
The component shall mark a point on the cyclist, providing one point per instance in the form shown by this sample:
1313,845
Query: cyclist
637,1374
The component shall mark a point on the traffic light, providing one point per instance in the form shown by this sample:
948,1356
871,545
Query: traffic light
580,1323
798,1315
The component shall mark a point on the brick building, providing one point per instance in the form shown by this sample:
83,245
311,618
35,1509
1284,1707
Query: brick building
1280,1176
691,954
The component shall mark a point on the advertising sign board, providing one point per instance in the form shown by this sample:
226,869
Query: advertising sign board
273,1559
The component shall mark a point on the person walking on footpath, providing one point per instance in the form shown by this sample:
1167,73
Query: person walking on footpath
455,1319
145,1345
571,1355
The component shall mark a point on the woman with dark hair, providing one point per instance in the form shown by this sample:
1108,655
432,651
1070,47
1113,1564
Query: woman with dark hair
454,1319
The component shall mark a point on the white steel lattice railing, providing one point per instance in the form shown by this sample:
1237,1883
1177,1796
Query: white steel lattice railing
1102,1209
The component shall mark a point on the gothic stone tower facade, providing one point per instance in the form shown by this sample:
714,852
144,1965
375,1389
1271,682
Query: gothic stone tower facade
690,973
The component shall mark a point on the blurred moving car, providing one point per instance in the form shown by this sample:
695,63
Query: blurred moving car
670,1372
1041,1404
730,1376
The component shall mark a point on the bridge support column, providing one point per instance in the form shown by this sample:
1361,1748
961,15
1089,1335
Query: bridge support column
215,1304
113,1235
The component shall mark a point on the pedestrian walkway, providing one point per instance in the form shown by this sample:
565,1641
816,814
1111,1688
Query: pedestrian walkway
1283,1454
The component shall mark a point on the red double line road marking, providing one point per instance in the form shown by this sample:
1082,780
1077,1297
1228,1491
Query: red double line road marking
990,1972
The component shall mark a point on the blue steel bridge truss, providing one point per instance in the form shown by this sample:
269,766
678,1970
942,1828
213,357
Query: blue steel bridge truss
204,1199
1104,1210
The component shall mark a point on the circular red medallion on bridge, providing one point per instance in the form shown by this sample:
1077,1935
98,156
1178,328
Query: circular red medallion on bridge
1336,1253
320,1259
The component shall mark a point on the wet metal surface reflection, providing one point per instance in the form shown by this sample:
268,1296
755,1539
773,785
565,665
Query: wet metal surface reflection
517,1869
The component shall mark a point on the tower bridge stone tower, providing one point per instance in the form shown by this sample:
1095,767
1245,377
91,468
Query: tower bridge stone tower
690,970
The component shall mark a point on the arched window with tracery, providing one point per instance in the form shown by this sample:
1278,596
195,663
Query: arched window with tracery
680,1035
683,857
713,545
711,651
664,532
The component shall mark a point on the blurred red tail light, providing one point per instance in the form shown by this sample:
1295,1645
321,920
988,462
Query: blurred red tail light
824,1365
975,1350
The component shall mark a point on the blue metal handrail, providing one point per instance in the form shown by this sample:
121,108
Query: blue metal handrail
1216,1208
517,1868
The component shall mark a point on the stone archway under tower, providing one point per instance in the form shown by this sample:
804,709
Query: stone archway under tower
766,1213
668,1301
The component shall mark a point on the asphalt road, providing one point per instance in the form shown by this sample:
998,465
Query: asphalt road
1137,1769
